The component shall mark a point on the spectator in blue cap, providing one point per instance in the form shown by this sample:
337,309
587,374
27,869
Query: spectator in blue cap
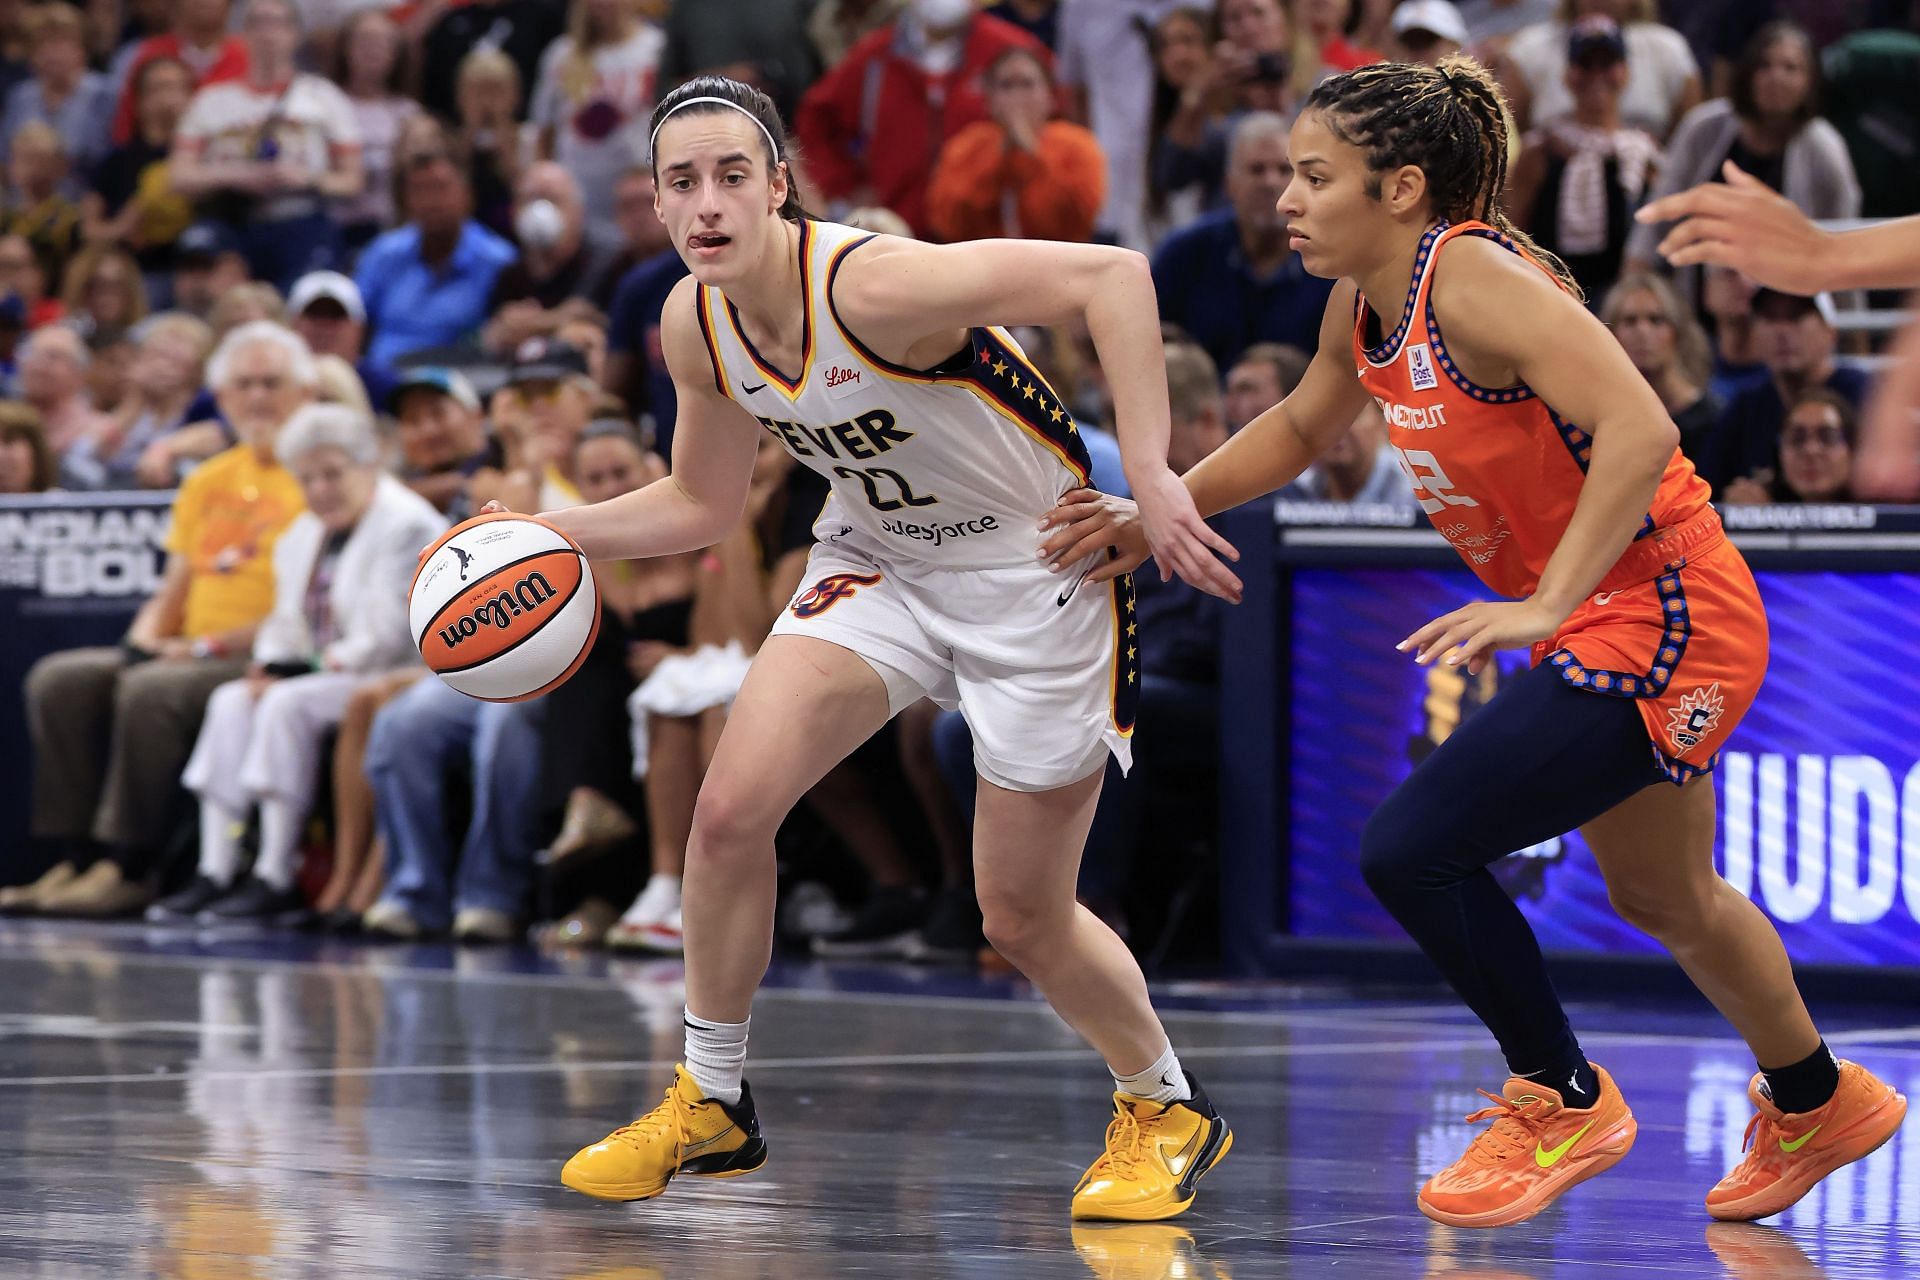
444,450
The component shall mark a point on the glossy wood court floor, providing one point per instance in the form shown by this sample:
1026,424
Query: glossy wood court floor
176,1103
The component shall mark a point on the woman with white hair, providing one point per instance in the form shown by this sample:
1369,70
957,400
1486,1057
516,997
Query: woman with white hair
339,621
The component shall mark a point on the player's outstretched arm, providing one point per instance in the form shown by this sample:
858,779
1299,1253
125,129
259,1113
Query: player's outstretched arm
1274,448
1506,323
910,291
714,442
1262,456
1744,224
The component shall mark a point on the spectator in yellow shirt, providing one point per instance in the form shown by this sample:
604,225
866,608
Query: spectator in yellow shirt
145,697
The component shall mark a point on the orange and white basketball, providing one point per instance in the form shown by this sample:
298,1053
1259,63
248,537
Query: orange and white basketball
504,607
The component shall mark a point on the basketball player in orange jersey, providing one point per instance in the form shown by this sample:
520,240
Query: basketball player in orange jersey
879,362
1552,468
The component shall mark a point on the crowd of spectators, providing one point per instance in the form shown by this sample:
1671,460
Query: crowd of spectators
341,273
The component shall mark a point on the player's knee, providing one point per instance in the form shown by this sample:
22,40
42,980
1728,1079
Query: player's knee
1009,929
732,825
1671,913
1014,924
1390,845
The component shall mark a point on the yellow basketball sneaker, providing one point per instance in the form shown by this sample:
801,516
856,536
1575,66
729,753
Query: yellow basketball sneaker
1534,1150
1787,1154
687,1133
1156,1152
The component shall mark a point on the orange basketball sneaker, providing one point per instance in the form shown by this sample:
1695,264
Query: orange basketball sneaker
1534,1150
1787,1154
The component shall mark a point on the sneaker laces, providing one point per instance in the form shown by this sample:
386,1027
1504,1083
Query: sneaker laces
1516,1130
659,1121
1126,1143
1761,1137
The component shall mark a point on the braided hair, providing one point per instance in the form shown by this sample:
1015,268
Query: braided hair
1450,121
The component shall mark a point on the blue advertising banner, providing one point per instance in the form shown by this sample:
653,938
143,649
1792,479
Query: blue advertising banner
1818,789
74,568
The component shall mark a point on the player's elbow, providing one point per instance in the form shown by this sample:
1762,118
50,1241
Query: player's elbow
1663,437
1128,264
1119,274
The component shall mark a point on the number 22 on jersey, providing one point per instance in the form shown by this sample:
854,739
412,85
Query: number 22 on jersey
1430,484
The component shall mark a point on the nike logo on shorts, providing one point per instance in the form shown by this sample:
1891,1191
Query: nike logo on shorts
1073,587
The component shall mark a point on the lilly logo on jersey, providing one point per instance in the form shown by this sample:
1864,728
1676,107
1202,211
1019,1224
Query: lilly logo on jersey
840,380
829,591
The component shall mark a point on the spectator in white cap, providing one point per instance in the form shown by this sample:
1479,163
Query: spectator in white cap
1426,31
339,620
327,310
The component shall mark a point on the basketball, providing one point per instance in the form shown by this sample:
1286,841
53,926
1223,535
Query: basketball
503,607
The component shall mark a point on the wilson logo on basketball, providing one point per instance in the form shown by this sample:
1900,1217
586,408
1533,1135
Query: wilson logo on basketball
500,610
524,596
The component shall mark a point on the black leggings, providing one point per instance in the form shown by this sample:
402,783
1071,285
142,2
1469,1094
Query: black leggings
1536,762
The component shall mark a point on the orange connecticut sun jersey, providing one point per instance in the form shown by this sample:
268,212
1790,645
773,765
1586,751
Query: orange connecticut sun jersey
1676,624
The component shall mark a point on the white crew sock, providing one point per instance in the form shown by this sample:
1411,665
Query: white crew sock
1164,1081
219,842
716,1056
280,832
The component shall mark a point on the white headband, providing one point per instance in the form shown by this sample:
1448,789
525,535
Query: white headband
772,147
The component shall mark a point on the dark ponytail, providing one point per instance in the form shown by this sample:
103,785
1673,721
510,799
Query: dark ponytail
1450,121
747,99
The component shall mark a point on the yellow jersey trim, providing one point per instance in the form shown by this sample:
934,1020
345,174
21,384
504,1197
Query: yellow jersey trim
792,387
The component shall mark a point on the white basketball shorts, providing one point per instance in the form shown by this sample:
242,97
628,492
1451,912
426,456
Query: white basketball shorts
1044,667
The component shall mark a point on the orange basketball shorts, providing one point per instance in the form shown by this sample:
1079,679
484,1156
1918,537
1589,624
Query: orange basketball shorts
1678,627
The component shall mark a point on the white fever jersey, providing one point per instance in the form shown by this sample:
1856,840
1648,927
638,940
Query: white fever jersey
951,466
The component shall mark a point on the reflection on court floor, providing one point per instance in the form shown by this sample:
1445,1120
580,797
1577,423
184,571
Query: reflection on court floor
177,1105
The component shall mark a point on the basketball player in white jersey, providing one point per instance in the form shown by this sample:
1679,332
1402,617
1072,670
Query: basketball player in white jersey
877,361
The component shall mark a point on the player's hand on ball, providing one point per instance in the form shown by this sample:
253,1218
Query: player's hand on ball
1181,541
1468,637
1088,522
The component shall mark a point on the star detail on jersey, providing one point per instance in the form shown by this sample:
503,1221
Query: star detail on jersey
1695,717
